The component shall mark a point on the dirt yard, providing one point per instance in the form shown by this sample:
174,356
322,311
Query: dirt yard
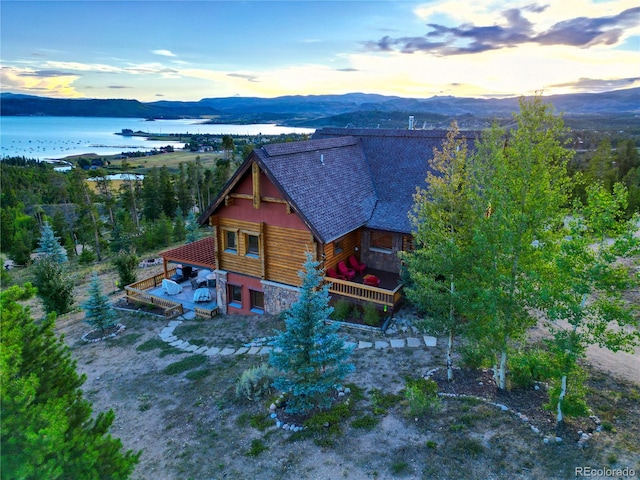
190,425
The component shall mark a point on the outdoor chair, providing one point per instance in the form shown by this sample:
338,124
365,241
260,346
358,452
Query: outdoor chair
356,265
331,272
349,273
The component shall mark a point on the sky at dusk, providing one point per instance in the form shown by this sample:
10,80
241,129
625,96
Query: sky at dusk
189,50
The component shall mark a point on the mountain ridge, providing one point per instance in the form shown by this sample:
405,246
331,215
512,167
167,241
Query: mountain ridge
315,110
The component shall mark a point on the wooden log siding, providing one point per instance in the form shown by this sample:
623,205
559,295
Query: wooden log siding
349,243
285,253
239,262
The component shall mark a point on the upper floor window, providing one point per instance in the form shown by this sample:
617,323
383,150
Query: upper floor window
230,241
253,245
382,241
338,246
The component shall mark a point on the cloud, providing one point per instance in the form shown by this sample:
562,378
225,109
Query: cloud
164,53
117,87
346,69
248,77
47,82
513,29
46,73
599,85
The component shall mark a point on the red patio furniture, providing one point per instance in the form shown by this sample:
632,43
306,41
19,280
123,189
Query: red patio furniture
371,280
331,272
356,265
346,271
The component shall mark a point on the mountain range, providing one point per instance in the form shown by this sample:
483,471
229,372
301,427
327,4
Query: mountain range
358,109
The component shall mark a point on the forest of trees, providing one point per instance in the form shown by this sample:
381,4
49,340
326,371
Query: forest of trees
146,215
152,214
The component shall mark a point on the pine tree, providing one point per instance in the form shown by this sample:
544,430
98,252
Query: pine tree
47,426
98,312
310,356
179,226
55,285
192,227
49,245
126,262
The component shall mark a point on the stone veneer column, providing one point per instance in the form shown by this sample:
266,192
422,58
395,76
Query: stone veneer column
221,291
278,296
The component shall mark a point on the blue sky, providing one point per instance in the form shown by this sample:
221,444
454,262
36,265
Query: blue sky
188,50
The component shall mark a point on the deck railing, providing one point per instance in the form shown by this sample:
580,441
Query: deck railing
366,293
135,293
206,313
152,282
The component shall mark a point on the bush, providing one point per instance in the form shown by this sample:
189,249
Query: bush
473,355
126,264
86,257
55,286
255,382
528,367
341,310
371,315
185,364
422,396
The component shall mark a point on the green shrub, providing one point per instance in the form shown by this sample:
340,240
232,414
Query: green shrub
371,315
341,310
473,355
422,396
528,367
255,382
381,401
257,447
86,257
198,374
366,422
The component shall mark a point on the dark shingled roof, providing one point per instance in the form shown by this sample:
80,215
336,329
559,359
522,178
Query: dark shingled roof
398,160
328,181
346,178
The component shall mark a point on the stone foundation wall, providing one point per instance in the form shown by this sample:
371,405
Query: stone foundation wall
221,291
278,297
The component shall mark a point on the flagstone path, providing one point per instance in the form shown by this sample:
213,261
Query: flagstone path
259,347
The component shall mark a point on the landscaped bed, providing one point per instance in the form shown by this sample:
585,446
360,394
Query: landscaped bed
185,415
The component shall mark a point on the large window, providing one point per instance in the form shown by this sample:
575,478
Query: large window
235,296
382,241
253,245
230,241
257,301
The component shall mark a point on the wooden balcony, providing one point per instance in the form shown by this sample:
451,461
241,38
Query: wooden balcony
388,293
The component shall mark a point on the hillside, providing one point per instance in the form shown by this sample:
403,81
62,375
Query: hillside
328,110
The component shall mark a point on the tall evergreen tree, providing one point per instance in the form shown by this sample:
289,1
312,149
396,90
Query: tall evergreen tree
55,285
97,310
310,356
438,268
179,226
47,426
49,245
126,263
192,227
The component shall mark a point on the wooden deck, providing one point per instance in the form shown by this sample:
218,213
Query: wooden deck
149,290
388,293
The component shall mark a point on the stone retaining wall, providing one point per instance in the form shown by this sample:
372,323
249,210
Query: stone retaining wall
278,296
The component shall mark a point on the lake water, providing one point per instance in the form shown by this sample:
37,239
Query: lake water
58,137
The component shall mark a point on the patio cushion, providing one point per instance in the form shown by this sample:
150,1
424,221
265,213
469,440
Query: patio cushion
202,295
170,287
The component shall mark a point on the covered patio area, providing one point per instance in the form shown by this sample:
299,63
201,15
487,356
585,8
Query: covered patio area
196,293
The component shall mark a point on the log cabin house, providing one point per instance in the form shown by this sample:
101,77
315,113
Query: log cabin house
346,192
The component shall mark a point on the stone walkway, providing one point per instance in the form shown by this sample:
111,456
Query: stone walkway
258,347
